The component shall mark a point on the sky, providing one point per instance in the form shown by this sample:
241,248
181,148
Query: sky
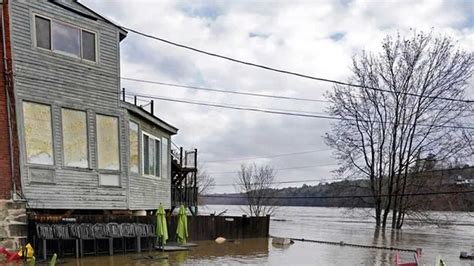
317,38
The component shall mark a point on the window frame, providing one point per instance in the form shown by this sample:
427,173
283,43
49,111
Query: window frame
88,139
53,138
142,164
51,50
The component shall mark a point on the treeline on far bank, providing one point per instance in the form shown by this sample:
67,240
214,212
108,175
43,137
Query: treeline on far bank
345,193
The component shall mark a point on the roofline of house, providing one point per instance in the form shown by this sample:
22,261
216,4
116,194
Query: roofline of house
152,118
122,31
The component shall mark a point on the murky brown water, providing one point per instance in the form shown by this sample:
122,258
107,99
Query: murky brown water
331,224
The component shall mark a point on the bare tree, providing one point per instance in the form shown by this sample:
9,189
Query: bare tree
257,183
401,113
204,182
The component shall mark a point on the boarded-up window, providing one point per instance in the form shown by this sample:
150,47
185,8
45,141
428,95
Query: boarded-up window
107,142
151,155
133,136
38,133
75,138
164,157
43,32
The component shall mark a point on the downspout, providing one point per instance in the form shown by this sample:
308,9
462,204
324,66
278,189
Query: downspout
6,73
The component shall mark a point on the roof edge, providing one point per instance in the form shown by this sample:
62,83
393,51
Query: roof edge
122,31
144,114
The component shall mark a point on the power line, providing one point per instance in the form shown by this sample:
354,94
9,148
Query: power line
280,169
174,85
225,91
269,111
289,72
343,196
235,105
266,156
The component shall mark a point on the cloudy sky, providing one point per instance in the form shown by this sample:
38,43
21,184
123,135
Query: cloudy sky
318,38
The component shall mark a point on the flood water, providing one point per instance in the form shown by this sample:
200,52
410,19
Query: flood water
329,224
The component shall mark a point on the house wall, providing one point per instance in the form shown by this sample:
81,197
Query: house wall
62,81
146,192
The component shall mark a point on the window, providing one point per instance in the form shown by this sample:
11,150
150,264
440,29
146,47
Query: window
43,33
64,38
107,142
133,139
38,133
164,157
75,138
88,45
151,156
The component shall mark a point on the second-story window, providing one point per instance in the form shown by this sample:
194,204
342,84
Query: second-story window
64,38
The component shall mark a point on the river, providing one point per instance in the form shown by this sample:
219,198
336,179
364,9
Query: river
319,223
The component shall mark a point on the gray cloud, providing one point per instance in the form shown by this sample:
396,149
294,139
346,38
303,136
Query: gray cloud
317,38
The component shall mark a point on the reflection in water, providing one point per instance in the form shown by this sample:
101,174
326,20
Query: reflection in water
238,251
320,224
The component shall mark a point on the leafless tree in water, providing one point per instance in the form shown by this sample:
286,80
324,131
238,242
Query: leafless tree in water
257,183
400,116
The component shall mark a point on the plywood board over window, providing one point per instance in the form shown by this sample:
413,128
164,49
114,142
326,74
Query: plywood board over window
38,133
107,142
164,155
133,136
75,138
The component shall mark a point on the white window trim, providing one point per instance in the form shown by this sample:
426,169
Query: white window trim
142,155
51,20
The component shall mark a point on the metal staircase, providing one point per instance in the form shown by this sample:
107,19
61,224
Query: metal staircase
184,190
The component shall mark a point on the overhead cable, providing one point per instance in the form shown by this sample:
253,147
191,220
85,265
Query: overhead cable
287,71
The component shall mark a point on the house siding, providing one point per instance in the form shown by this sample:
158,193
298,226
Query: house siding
63,81
147,193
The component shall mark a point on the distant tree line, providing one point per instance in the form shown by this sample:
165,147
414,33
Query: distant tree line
440,180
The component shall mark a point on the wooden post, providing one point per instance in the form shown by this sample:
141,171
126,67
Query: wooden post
268,225
195,173
111,246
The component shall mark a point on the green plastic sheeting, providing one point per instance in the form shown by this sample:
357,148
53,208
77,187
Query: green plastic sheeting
182,227
161,226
